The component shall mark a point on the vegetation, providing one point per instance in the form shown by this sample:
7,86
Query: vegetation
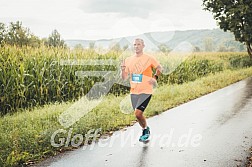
17,35
32,77
37,76
54,40
36,87
25,136
234,16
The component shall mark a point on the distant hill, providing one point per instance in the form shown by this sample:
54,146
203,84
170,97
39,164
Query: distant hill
202,40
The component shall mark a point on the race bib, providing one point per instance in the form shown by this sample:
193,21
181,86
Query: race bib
137,78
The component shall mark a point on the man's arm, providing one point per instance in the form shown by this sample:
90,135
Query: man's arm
153,79
124,74
158,71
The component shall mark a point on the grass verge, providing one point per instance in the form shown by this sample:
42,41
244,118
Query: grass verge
25,136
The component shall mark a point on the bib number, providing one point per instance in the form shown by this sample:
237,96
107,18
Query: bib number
137,78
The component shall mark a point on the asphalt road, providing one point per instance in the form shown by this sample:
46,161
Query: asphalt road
213,131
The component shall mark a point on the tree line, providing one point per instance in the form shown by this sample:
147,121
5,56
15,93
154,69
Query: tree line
16,34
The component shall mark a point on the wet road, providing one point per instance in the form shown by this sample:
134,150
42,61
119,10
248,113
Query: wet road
213,130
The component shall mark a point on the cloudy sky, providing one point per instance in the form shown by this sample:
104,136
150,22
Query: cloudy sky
105,19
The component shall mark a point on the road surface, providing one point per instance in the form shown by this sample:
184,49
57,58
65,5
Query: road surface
213,130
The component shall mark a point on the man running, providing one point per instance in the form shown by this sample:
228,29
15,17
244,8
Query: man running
140,69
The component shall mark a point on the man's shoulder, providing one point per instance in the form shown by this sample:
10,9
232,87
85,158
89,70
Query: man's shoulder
133,57
129,58
150,57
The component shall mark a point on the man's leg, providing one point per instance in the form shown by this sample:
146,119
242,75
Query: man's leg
141,119
139,103
142,102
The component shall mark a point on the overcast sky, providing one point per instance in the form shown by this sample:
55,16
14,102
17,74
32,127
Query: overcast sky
105,19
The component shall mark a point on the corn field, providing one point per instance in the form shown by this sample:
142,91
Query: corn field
35,76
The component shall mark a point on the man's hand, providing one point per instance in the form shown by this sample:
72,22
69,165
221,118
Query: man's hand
153,82
124,74
123,67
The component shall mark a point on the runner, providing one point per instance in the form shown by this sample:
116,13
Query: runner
140,69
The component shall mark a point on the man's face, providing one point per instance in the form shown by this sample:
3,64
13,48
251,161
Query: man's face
138,46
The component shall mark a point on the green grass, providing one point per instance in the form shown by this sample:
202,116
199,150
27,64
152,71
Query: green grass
25,136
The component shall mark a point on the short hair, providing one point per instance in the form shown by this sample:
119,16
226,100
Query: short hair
139,39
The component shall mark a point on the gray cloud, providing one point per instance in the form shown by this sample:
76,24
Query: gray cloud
141,8
137,8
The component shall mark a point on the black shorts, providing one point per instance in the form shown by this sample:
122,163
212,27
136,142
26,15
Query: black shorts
140,101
